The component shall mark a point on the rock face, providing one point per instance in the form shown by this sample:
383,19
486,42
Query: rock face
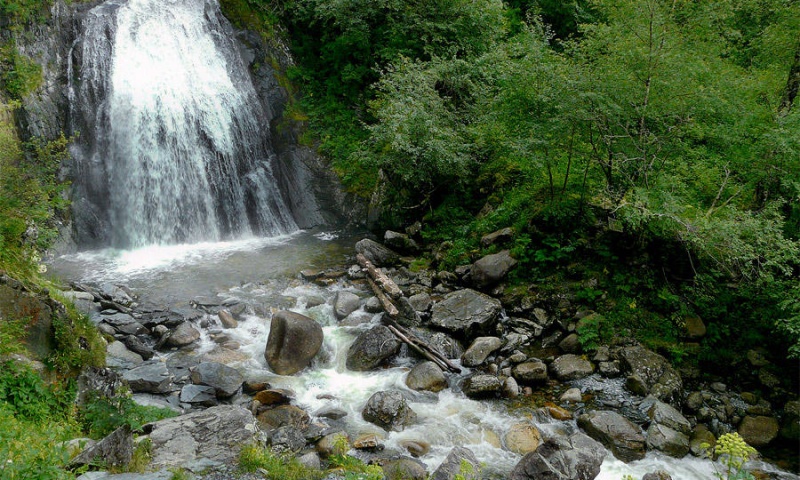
372,348
377,253
491,269
650,373
575,458
426,376
618,434
459,463
224,379
466,312
571,367
479,351
388,410
294,340
217,434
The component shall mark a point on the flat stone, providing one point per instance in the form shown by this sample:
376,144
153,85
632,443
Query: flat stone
571,367
466,312
479,351
150,377
225,380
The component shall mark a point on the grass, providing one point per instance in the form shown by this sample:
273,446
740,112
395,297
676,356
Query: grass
275,467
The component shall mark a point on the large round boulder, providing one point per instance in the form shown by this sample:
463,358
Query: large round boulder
482,386
491,269
388,410
651,373
533,371
617,433
522,438
426,376
345,303
758,430
466,312
577,457
664,439
372,348
294,340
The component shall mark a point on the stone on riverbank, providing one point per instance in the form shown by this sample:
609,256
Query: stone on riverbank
225,380
216,434
618,434
466,312
575,458
426,376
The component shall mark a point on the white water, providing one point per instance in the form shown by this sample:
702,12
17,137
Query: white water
179,132
246,271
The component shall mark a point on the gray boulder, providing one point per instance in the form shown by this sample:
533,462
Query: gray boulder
137,346
184,334
400,242
482,386
372,348
118,355
377,253
388,410
618,434
225,380
125,324
150,377
442,342
492,269
577,457
202,395
217,434
293,342
404,468
227,320
345,303
652,373
499,236
759,430
283,415
466,312
460,463
420,302
664,439
534,371
665,414
479,351
116,450
571,367
426,376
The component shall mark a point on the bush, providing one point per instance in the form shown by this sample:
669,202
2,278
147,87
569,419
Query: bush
101,415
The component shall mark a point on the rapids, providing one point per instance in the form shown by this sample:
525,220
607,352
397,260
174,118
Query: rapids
264,273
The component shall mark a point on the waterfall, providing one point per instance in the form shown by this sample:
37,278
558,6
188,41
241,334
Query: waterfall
174,145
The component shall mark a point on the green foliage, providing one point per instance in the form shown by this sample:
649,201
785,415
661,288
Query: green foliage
101,415
78,343
20,75
30,449
25,394
275,467
588,331
11,333
733,452
23,11
355,469
31,198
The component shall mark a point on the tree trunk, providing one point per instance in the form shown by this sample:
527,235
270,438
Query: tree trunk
792,85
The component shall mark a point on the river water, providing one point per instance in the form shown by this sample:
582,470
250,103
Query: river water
264,273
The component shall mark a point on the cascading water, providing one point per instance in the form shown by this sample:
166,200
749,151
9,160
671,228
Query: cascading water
174,144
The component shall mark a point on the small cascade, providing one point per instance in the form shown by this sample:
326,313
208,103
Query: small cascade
174,145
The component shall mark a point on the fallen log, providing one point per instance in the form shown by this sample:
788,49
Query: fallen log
379,282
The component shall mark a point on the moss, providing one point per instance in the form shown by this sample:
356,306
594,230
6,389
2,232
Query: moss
21,75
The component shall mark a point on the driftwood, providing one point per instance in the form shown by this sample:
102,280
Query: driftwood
397,306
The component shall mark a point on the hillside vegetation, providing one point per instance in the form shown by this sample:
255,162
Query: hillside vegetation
647,151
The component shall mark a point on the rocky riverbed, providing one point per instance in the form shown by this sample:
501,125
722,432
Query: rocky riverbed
299,362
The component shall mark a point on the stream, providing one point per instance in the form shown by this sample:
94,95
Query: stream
263,273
